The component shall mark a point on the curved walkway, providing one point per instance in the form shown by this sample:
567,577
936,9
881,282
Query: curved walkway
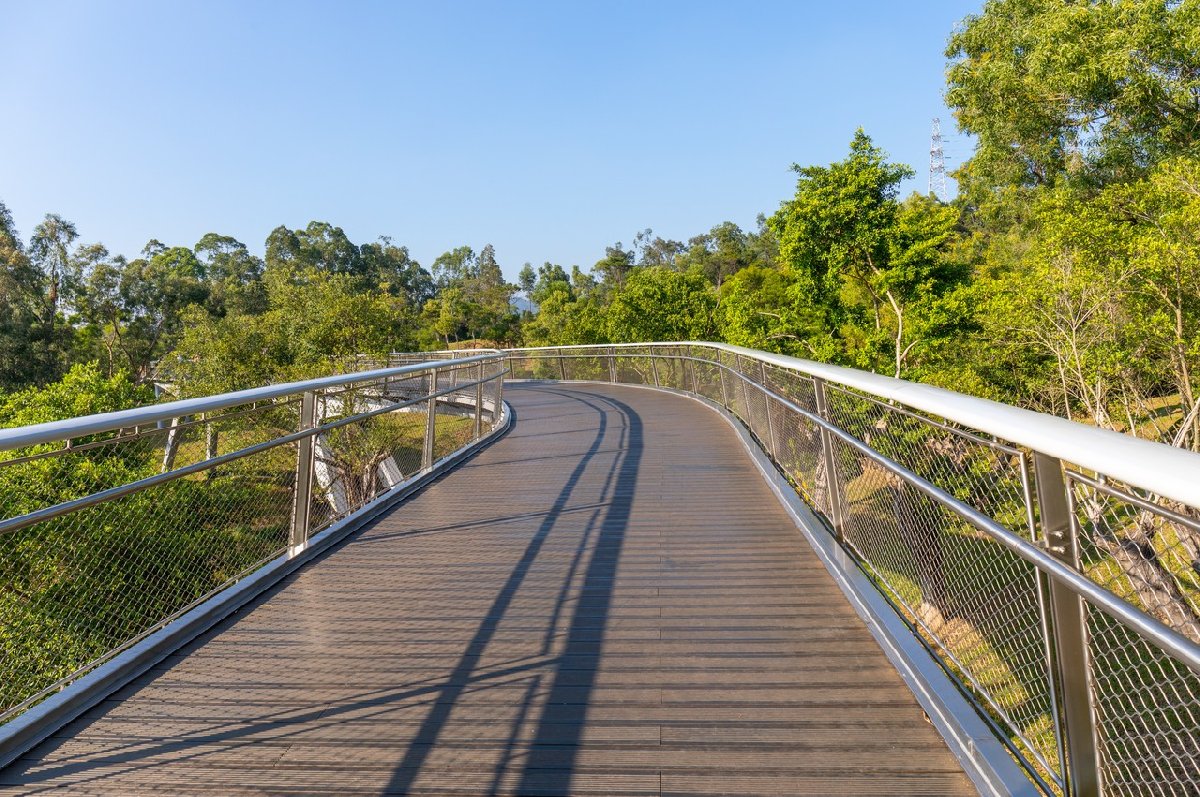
609,600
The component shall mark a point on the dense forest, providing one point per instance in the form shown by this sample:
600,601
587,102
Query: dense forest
1064,277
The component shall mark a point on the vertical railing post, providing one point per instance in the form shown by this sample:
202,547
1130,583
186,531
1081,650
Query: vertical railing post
833,484
211,444
654,365
721,373
498,408
479,401
691,366
742,383
172,446
562,367
1070,632
430,421
305,449
612,365
762,376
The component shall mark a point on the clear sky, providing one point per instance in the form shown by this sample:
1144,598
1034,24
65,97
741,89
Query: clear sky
547,129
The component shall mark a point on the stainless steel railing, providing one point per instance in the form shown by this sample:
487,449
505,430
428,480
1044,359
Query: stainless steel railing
113,525
1053,568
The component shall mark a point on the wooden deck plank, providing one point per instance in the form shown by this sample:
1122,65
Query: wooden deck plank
608,600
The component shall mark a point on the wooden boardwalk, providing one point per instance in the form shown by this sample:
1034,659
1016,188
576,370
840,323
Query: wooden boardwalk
609,601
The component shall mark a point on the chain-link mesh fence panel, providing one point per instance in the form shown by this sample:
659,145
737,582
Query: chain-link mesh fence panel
971,598
1147,713
79,587
136,525
1148,705
798,453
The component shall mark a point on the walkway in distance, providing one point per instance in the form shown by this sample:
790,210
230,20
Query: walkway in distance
609,600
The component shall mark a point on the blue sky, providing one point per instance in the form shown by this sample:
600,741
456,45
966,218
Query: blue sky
547,129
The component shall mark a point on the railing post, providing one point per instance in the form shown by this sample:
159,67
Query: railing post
742,383
210,444
654,366
172,446
562,367
479,401
691,367
496,410
305,449
612,366
1070,632
721,368
762,378
833,484
430,421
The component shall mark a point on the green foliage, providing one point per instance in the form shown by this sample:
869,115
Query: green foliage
37,483
313,318
867,266
84,390
26,349
656,303
473,300
1087,91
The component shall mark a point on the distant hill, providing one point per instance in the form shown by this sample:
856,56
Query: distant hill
522,303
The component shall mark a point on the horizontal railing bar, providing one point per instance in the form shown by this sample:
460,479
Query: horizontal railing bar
120,491
57,431
1162,469
142,434
1137,501
1150,629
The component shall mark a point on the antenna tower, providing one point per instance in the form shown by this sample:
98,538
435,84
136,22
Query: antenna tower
937,162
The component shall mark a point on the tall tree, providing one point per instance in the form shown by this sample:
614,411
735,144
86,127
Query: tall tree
25,352
861,255
50,252
393,270
615,265
1095,89
235,275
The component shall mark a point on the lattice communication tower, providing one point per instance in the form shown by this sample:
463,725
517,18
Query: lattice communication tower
937,162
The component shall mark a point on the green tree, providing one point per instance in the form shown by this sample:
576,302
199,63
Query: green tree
615,266
1100,90
137,307
26,355
720,253
657,303
768,309
392,269
235,275
526,279
869,262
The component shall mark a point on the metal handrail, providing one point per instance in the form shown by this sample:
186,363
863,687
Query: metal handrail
57,431
1159,468
1080,657
49,513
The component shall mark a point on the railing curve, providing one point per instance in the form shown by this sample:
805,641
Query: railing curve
114,526
1051,567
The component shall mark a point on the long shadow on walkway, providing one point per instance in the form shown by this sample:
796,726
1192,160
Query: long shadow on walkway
549,767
